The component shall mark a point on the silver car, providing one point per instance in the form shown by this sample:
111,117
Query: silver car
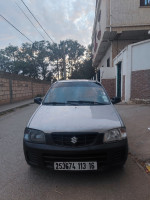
76,127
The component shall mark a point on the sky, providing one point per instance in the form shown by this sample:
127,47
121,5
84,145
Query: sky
62,19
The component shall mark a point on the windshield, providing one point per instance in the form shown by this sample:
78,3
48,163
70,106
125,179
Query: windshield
80,93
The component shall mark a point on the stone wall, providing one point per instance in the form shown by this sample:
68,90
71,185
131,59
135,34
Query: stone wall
110,86
140,85
15,88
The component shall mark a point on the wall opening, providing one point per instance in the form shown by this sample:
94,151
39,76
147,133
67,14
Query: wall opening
119,80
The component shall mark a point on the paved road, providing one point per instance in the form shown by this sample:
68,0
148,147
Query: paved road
137,120
19,182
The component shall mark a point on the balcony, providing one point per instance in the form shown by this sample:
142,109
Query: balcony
123,22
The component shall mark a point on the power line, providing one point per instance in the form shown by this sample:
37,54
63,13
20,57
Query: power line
15,28
29,20
37,21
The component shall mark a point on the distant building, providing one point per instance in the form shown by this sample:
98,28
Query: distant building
117,24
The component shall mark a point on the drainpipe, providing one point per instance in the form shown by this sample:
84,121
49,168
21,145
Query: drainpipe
110,12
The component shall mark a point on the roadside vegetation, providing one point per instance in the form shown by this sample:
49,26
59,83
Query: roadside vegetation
46,61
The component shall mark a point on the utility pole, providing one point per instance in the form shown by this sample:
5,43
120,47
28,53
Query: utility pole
64,61
110,16
57,68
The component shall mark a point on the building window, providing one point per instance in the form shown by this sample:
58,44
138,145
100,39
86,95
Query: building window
108,62
144,2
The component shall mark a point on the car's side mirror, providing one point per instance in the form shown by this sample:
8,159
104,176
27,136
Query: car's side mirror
38,100
115,100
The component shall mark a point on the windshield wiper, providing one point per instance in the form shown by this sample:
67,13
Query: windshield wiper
54,103
86,102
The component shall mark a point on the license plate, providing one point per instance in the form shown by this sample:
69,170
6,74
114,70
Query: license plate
80,166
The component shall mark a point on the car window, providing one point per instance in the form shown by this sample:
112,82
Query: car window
77,93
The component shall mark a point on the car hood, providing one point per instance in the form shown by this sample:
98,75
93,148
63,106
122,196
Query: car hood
75,118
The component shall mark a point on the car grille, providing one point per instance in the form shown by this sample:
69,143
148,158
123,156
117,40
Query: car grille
106,157
76,139
116,156
48,158
34,157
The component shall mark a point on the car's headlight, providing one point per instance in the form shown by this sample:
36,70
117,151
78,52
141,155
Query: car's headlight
115,135
32,135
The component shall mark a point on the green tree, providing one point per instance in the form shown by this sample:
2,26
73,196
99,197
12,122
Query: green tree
28,62
46,60
84,69
4,61
41,56
54,53
66,55
8,58
73,54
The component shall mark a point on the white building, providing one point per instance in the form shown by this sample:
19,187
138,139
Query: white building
133,80
117,24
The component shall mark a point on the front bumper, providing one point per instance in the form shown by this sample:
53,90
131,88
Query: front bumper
106,154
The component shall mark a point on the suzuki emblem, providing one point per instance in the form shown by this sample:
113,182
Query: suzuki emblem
74,140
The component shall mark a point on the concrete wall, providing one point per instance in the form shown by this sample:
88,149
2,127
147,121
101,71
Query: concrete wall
110,86
17,88
129,13
125,73
103,62
129,24
119,17
140,85
119,45
4,91
125,14
124,57
141,56
135,62
140,82
108,73
99,25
